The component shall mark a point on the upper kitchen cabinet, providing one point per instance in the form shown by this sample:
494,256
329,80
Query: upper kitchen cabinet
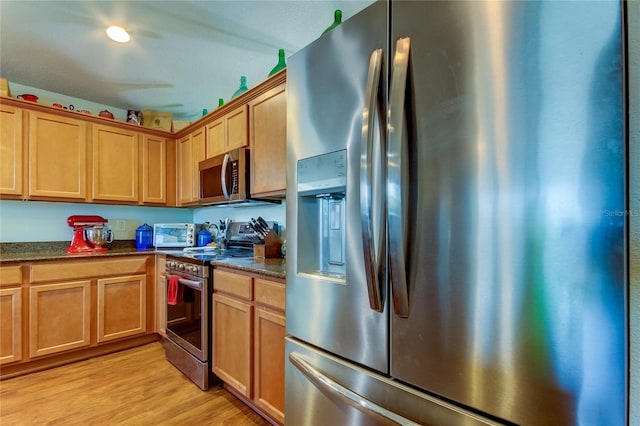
115,164
268,136
58,148
227,132
10,151
191,150
154,169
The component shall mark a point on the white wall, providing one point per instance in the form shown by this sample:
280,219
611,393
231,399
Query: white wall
49,98
32,221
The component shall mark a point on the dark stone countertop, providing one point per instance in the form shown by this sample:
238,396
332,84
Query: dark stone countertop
55,250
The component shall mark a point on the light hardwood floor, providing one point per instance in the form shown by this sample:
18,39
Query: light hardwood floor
134,387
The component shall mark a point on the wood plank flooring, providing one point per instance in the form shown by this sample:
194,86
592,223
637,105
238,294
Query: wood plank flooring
135,387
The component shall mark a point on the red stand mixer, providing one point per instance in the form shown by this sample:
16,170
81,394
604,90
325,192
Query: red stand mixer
90,234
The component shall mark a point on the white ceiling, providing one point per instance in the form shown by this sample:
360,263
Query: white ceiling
183,56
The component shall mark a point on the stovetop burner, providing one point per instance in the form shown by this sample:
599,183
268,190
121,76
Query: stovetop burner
207,254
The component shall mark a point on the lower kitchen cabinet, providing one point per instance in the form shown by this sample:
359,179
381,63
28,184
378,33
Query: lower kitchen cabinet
74,309
248,338
269,362
10,314
232,342
122,307
59,317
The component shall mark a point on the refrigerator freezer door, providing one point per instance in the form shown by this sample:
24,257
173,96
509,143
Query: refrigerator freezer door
329,305
325,390
515,258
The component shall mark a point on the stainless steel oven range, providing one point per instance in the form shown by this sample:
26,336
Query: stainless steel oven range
188,317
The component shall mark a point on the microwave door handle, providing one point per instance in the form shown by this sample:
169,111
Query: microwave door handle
223,176
371,261
397,179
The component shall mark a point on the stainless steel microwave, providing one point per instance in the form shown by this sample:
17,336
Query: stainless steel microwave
224,179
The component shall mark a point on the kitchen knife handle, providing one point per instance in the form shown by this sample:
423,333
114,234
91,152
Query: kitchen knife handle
397,179
371,261
223,176
331,388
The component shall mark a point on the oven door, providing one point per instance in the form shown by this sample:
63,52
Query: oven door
186,321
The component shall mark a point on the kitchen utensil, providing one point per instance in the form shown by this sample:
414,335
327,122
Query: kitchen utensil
106,114
144,237
28,97
98,235
83,241
204,236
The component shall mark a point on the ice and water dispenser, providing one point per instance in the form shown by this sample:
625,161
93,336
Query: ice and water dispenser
321,190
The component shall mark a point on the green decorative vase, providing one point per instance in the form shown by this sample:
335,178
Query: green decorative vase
280,65
243,87
337,20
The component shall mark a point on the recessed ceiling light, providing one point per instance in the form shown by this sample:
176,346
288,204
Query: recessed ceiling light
118,34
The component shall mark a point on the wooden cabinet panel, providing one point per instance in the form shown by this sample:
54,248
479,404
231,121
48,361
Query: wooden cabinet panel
57,156
235,284
87,268
269,328
115,164
59,317
268,136
11,150
10,325
237,129
232,342
154,169
228,132
216,137
191,150
270,293
10,275
121,307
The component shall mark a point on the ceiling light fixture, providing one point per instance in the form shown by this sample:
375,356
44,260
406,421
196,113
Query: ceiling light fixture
118,34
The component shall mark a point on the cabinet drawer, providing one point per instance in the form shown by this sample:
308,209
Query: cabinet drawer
236,284
270,293
85,268
10,275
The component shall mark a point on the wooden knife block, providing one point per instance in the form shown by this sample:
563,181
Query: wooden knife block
270,248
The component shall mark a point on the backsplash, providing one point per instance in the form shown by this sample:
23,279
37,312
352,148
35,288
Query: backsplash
39,221
31,221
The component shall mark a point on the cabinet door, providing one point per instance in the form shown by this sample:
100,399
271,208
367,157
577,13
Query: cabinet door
216,137
10,325
57,156
154,169
185,170
121,307
10,150
198,139
268,134
115,164
269,362
237,128
232,342
59,317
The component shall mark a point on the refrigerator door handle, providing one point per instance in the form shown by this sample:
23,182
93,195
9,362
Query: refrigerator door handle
397,179
335,390
223,177
371,261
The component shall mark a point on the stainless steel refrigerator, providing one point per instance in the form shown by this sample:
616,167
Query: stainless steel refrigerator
457,217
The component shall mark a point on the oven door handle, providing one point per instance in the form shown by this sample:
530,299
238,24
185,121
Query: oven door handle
196,285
